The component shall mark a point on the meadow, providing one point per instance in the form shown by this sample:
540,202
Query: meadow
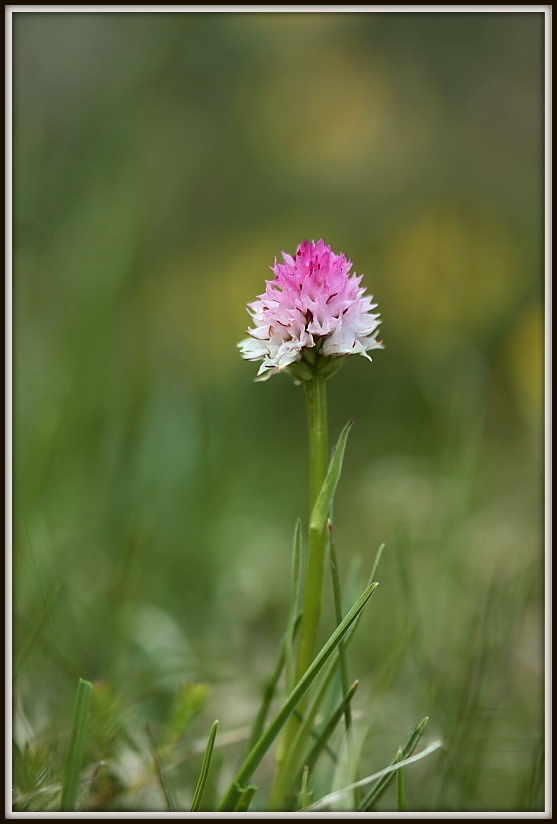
161,162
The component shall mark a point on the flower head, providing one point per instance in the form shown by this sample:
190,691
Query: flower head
312,313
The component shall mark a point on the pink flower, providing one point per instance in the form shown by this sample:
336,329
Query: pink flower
312,311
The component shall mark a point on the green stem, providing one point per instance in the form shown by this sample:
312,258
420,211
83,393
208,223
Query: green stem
77,743
316,395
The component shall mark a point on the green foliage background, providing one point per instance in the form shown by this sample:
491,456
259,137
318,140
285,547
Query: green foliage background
160,162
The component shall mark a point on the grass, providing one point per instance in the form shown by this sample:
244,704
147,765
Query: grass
447,636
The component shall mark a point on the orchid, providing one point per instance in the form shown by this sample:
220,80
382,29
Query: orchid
312,309
313,314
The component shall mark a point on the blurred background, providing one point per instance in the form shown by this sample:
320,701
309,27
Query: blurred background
160,163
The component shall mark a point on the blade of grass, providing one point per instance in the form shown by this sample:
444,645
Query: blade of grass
315,735
338,616
330,727
206,763
375,794
268,693
354,626
306,795
77,742
294,609
320,511
400,786
377,560
256,755
245,798
338,795
270,689
337,598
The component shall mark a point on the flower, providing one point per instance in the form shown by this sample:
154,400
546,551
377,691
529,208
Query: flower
312,314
